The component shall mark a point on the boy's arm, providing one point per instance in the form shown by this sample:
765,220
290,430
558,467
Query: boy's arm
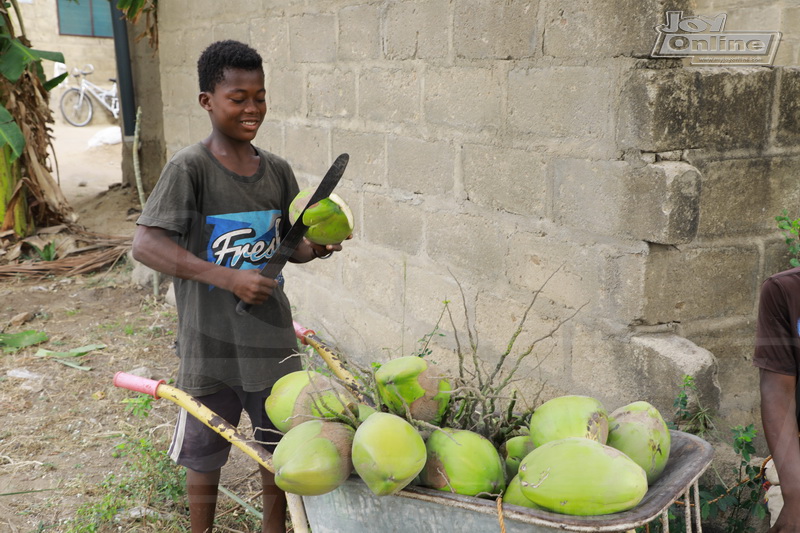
778,415
154,247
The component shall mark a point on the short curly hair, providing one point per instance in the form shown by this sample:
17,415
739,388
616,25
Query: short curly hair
225,54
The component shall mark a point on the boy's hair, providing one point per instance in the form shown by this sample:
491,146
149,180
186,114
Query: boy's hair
221,55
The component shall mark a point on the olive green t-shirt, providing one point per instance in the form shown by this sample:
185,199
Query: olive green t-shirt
234,221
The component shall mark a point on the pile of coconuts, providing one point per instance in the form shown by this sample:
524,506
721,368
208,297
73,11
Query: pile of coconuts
568,455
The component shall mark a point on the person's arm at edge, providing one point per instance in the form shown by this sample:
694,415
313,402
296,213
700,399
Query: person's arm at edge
155,248
778,408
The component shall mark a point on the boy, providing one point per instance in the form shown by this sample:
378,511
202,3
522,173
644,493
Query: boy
777,355
217,212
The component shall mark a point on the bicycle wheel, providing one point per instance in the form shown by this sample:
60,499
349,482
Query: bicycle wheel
77,110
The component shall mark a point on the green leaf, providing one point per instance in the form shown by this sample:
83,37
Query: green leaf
57,57
51,84
15,341
11,134
15,59
75,352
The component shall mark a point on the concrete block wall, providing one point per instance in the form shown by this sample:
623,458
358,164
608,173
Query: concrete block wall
500,148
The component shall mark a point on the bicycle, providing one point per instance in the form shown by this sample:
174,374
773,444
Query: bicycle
77,107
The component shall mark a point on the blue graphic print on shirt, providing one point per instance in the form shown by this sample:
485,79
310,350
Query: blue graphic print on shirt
243,240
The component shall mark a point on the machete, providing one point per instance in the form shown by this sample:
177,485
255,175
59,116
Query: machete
289,243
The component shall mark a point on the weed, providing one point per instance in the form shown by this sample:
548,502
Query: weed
730,506
154,482
791,231
140,405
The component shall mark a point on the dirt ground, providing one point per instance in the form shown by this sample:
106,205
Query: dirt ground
59,425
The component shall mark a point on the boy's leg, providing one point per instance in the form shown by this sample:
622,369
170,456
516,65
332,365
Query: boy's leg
202,488
273,502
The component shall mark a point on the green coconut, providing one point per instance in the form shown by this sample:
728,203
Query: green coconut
513,451
329,221
463,462
639,431
302,395
388,453
579,476
412,382
514,496
365,411
313,458
569,416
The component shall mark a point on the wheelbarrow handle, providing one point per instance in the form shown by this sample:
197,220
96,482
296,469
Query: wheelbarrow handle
302,333
138,383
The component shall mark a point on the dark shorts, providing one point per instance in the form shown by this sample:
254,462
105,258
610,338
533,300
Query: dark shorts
196,446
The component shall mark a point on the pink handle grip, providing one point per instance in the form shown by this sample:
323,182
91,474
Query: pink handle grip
137,383
302,332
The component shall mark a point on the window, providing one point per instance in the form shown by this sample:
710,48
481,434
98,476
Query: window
90,18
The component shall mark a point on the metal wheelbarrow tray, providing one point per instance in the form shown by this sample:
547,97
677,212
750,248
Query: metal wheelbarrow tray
353,508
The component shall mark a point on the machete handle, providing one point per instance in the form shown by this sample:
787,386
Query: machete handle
137,383
242,308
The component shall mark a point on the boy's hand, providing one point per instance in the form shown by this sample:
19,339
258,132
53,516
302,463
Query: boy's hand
251,287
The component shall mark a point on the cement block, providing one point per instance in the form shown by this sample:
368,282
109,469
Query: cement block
468,98
776,257
663,203
512,180
788,128
729,187
416,30
376,279
670,109
331,94
312,37
502,325
732,344
270,137
393,223
556,102
285,92
359,33
699,283
270,36
618,370
420,166
389,95
471,242
487,30
604,28
569,272
307,149
367,156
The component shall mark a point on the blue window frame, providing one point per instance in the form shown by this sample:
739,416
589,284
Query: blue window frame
89,18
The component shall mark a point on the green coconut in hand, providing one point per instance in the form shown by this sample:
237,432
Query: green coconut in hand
388,453
463,462
303,395
313,458
639,431
411,382
329,221
569,416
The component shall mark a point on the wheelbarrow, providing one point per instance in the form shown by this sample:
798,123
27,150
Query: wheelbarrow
353,508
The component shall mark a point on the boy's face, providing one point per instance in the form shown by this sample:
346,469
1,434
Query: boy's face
238,104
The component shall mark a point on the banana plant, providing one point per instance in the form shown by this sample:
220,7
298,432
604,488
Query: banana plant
21,75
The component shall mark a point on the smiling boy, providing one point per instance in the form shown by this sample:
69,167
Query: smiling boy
216,214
